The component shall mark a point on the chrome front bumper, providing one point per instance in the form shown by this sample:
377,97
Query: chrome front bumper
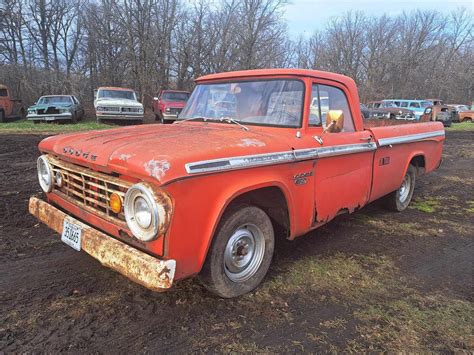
146,270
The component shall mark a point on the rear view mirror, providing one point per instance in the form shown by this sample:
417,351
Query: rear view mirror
334,121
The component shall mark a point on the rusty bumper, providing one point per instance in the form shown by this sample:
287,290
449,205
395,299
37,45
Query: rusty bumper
155,274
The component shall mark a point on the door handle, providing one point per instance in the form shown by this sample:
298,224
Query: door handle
368,139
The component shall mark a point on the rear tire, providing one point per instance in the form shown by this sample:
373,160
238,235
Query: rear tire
240,254
2,116
399,200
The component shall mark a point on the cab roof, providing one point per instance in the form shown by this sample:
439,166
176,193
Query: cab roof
279,72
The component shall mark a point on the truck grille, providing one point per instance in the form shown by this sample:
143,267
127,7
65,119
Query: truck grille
130,109
175,111
89,189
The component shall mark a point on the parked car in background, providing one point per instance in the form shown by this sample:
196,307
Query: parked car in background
466,116
393,111
168,105
211,195
439,113
456,109
56,108
118,104
373,113
416,106
9,108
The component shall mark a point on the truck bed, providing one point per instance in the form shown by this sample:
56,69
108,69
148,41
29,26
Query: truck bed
399,145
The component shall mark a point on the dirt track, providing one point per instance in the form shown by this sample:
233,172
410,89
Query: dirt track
372,280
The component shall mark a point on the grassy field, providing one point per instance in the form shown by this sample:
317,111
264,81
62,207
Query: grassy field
465,126
24,126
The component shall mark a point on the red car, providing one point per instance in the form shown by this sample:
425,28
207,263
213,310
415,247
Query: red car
255,156
168,105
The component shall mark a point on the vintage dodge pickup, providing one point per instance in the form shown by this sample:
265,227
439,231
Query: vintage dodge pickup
205,195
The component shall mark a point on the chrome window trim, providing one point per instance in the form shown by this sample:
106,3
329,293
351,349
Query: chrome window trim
410,138
248,161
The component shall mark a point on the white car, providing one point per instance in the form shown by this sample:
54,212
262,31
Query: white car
113,103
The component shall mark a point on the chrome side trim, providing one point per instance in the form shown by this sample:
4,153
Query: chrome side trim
410,138
248,161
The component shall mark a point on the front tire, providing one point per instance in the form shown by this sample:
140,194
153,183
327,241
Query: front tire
2,116
240,254
399,200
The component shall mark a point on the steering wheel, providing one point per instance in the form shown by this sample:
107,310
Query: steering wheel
289,114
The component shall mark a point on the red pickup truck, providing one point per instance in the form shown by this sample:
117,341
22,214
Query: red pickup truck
168,105
253,150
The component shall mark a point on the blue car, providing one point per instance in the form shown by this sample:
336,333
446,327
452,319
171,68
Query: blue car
417,106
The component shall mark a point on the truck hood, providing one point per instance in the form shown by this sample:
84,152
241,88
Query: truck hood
158,153
117,102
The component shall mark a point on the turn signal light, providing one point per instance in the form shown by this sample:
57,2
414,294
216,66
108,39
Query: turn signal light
115,203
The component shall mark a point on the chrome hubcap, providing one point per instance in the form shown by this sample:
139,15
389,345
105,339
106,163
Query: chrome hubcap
405,188
244,253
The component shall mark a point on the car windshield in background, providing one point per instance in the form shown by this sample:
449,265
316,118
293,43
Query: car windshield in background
175,96
265,102
54,100
117,94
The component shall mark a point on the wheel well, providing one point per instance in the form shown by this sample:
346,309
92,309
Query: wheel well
419,163
273,202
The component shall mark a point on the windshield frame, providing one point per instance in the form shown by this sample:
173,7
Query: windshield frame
250,80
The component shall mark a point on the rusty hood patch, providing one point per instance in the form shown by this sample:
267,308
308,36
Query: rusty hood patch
159,152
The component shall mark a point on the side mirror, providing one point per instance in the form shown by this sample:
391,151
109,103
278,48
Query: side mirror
334,124
155,99
334,121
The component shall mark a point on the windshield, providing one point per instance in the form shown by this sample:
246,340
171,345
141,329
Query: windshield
54,100
175,96
117,94
265,102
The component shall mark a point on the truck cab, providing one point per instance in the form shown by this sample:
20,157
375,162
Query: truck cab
9,108
168,105
211,194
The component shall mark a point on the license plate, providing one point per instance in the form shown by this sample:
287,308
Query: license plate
72,235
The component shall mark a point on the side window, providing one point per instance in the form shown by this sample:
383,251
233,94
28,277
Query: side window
403,104
415,104
314,109
332,98
3,92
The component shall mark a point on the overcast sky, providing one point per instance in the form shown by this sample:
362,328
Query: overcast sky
306,16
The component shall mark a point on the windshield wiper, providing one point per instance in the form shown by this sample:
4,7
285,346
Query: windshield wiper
222,119
232,120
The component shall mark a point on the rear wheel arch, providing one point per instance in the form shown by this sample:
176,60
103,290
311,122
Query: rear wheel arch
419,162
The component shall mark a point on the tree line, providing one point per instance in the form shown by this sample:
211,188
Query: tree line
74,46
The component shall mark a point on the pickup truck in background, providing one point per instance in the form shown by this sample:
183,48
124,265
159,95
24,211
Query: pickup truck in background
9,108
118,104
206,195
168,105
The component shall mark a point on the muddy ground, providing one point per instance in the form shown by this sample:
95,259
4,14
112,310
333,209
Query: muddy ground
374,280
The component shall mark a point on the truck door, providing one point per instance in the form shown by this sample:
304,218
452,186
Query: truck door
343,173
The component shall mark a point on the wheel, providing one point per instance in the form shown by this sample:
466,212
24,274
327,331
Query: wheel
99,120
162,118
2,116
400,199
240,253
74,118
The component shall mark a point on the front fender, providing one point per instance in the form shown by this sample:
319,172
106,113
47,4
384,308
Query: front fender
200,201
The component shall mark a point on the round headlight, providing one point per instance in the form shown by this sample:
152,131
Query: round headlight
142,212
45,174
